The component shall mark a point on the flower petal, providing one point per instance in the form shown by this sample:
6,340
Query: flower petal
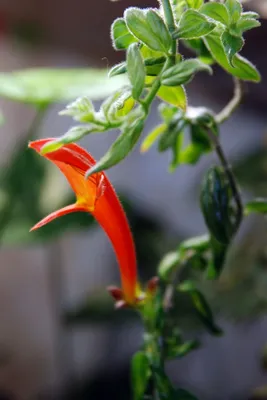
97,196
56,214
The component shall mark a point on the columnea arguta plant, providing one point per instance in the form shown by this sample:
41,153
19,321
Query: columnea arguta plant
155,67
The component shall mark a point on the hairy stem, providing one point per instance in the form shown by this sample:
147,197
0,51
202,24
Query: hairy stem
169,17
228,110
170,289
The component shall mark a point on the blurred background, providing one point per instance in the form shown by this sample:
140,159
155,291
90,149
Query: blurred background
59,335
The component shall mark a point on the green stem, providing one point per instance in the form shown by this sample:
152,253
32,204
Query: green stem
228,110
146,103
169,17
168,13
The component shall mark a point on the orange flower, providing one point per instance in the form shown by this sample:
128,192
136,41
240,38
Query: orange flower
97,196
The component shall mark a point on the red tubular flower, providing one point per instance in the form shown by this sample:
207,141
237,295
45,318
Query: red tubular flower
96,196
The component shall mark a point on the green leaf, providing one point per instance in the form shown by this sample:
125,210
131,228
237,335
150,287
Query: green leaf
245,24
148,27
256,206
121,107
219,253
190,154
215,205
120,35
204,119
81,110
216,11
152,137
136,70
167,112
196,4
250,15
169,137
115,108
176,152
183,72
173,95
153,66
202,307
193,25
181,350
140,373
199,47
174,128
243,68
234,8
118,69
169,262
44,86
120,148
74,134
198,243
232,45
159,29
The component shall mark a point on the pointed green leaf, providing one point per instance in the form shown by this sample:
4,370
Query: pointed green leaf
118,69
215,202
218,253
196,4
216,11
152,137
120,35
140,373
198,243
193,25
159,29
202,307
181,350
136,70
167,112
243,68
199,47
148,27
147,52
168,138
232,45
183,72
176,152
256,206
81,110
154,65
173,95
234,8
122,106
250,14
169,262
74,134
174,128
245,24
120,148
